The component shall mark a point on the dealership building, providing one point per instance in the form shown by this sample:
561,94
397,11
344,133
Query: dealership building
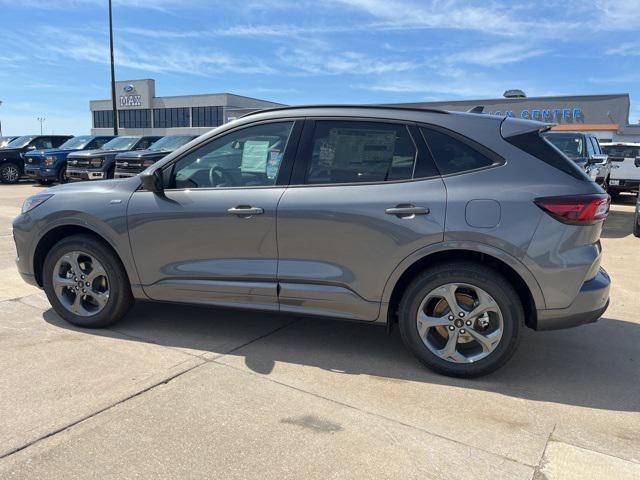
140,112
606,116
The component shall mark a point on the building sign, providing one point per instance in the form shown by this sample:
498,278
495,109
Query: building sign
557,115
135,94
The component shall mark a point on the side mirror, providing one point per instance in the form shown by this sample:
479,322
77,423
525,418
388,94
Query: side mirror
153,181
637,162
597,159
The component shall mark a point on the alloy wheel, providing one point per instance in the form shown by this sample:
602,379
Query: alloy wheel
10,173
80,283
460,323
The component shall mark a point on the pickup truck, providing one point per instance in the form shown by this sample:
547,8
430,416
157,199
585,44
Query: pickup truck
12,155
129,164
50,165
625,177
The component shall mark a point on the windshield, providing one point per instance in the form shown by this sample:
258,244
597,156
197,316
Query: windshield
170,143
571,145
625,151
121,143
4,141
20,141
76,143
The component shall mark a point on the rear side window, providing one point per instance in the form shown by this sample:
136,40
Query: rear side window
452,155
356,152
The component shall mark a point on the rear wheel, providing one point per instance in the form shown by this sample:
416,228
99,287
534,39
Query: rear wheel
86,283
461,319
9,172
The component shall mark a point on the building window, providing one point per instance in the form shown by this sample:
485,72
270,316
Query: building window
207,116
170,117
103,119
134,118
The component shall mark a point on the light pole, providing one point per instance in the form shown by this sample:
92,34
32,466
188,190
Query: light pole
113,74
0,121
41,120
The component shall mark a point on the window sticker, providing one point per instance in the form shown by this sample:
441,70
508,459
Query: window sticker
254,156
273,165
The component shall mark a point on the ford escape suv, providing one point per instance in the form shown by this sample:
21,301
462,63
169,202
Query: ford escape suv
460,228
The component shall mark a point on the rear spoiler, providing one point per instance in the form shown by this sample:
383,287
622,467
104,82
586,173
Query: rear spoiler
476,109
512,127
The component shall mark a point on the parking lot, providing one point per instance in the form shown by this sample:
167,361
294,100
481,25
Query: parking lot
186,392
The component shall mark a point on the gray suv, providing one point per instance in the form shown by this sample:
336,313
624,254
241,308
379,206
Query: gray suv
459,228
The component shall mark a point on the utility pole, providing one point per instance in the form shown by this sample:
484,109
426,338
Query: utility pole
0,121
113,74
41,120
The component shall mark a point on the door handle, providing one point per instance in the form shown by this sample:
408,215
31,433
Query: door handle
406,211
245,210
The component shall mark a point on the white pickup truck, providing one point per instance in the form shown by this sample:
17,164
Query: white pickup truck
625,177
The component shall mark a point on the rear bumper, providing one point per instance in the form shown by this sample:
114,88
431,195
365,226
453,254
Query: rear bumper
592,301
623,185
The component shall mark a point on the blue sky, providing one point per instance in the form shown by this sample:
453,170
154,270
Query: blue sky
54,54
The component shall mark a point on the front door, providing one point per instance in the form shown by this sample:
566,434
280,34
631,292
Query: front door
211,238
364,196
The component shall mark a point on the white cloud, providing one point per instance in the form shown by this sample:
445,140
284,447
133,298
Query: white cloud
631,49
500,54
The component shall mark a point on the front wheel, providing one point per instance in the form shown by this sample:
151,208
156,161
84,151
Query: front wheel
86,282
62,175
9,173
461,319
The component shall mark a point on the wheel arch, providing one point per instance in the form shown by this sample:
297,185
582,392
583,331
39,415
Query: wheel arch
522,280
53,236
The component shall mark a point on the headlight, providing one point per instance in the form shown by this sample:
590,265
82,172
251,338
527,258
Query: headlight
96,162
35,200
48,161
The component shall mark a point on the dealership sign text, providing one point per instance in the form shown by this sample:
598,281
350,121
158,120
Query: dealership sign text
131,101
545,114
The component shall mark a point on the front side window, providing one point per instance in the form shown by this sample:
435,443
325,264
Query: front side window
250,157
452,155
590,148
355,152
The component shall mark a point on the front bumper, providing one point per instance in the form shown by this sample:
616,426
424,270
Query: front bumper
40,173
84,174
589,305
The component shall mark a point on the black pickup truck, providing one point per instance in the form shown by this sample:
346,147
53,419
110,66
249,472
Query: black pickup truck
11,156
129,164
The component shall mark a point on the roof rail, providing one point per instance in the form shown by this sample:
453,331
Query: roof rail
365,106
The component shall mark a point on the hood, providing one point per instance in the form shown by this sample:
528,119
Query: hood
48,151
94,153
127,184
10,150
142,154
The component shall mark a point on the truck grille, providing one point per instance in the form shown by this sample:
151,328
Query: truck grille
133,166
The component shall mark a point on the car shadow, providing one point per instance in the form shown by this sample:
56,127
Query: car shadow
618,224
595,366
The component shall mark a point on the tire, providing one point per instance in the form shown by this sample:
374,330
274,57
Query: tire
636,226
62,175
116,298
503,326
43,182
9,173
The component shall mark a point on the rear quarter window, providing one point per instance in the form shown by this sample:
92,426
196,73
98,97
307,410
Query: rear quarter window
453,155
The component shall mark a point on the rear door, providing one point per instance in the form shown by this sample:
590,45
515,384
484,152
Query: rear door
364,195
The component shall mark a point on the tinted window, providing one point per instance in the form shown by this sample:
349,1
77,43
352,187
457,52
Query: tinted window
42,143
452,155
134,118
171,117
570,144
626,151
103,119
207,116
248,157
590,149
596,146
350,152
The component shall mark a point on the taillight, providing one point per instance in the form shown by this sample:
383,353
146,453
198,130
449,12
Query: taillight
576,209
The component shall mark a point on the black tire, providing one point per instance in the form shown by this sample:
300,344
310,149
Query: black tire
120,297
477,275
636,226
62,175
8,173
